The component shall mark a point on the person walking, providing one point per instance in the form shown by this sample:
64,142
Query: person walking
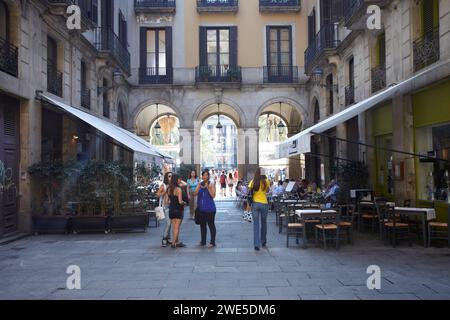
164,202
206,208
176,209
192,183
230,183
259,186
223,184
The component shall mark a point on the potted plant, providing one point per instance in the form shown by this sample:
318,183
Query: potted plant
52,179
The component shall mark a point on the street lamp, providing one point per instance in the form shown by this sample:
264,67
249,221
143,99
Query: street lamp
157,125
117,75
281,125
219,125
316,78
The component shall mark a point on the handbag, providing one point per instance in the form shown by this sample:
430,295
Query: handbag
159,211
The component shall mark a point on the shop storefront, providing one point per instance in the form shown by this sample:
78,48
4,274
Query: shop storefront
431,109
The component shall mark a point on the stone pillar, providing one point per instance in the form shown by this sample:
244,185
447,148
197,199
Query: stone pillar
187,147
294,169
403,140
248,152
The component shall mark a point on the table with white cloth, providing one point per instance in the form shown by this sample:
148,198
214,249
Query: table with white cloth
426,214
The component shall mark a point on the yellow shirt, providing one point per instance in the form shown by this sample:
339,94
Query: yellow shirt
260,195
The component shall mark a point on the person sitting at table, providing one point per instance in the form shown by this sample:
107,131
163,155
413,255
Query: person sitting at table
279,189
302,191
332,192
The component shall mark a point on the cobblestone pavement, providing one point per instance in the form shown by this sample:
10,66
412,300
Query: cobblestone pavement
134,266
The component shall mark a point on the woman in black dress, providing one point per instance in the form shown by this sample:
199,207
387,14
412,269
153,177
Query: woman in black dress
176,210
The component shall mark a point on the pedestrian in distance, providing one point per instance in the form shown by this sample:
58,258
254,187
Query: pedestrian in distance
164,201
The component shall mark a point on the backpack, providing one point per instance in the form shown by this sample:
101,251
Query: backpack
223,179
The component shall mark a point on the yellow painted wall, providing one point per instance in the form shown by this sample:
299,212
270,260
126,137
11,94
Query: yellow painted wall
251,31
432,106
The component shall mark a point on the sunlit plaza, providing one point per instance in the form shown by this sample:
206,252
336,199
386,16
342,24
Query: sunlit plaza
317,130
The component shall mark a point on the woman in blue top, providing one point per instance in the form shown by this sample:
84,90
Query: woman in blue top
206,208
192,184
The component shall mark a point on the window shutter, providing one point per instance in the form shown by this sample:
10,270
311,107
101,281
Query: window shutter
203,49
428,16
268,45
94,11
169,50
290,46
337,10
143,48
311,28
325,12
233,47
382,49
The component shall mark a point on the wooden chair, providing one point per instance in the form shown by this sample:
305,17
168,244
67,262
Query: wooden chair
367,213
328,228
394,229
346,222
297,229
438,231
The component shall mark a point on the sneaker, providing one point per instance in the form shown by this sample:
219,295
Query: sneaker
164,243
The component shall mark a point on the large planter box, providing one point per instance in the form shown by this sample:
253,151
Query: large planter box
129,223
50,225
88,224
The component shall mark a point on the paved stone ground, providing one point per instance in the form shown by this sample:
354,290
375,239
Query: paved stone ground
134,266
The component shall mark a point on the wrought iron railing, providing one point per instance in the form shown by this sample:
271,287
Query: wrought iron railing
219,73
326,38
86,98
9,56
54,81
279,5
351,7
155,75
217,5
349,95
280,74
378,78
426,50
107,41
155,5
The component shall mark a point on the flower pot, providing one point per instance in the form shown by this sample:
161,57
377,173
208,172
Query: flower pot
129,223
50,224
88,224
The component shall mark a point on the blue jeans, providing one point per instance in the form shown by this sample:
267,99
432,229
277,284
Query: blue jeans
259,210
166,230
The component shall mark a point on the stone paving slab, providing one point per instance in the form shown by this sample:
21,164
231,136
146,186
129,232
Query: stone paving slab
134,266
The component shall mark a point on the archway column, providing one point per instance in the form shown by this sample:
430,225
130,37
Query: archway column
188,142
294,168
248,152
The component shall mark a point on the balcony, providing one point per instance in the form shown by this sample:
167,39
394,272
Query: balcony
279,6
9,56
280,74
378,78
355,12
218,74
349,95
218,6
426,50
107,42
54,81
86,98
154,6
325,42
155,75
88,16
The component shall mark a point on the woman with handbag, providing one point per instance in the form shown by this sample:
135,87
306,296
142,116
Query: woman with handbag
259,187
176,209
206,209
164,204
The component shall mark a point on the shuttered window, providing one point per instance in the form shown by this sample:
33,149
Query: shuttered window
430,15
218,46
312,27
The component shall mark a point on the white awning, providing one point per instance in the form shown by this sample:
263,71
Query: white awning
301,143
142,148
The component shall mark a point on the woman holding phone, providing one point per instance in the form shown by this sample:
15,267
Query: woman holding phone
206,208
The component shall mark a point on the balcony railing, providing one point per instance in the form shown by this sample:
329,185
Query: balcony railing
86,98
349,95
277,6
217,5
221,73
9,56
107,41
155,6
378,78
426,50
155,75
54,81
280,74
326,39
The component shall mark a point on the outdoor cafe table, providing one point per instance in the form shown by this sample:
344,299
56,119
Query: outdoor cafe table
314,214
427,214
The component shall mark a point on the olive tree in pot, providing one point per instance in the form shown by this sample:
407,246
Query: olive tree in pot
52,179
